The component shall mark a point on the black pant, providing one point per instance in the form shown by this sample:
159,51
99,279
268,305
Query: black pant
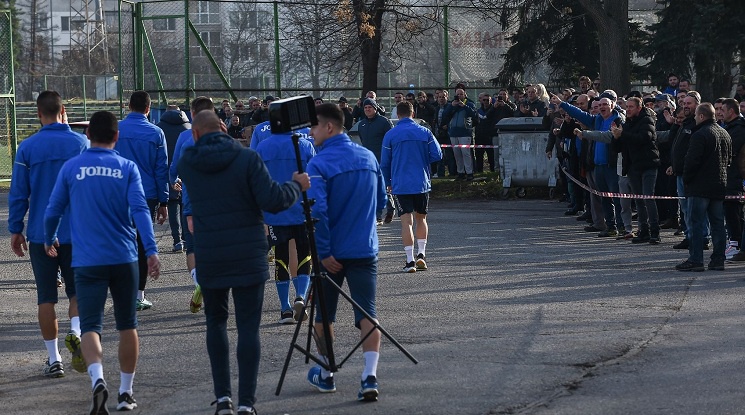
247,302
733,217
141,257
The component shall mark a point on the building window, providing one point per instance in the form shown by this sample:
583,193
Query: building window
208,12
112,22
42,21
164,24
64,24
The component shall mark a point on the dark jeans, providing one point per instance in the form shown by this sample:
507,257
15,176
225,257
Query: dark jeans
702,209
247,302
606,178
733,216
448,160
666,186
643,183
479,167
174,220
141,257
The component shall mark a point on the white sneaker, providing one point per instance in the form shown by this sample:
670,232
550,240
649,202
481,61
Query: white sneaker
731,250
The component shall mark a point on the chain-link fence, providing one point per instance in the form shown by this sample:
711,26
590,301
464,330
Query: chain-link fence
230,49
8,138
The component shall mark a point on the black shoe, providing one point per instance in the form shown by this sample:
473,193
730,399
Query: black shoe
224,407
670,223
679,232
584,216
592,229
126,402
689,266
641,238
716,266
682,244
461,177
571,212
388,217
608,233
654,239
469,177
409,267
100,395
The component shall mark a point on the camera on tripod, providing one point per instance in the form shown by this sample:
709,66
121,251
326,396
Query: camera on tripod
290,114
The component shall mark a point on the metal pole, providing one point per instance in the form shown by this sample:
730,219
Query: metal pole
277,64
187,24
85,99
446,40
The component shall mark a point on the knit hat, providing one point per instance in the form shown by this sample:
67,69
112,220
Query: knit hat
369,101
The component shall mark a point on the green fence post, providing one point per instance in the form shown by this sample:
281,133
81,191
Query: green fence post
277,64
45,83
138,45
187,24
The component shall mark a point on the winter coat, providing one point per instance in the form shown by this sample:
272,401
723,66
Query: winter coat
705,167
736,169
638,143
229,186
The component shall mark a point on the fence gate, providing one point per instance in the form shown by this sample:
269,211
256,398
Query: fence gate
8,136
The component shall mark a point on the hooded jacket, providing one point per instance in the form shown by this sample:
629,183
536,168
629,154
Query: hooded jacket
229,186
638,142
173,123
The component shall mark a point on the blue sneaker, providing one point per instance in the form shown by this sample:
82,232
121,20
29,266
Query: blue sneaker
369,390
323,385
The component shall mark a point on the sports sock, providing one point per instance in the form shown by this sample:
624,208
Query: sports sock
371,364
127,379
140,295
422,244
409,253
95,371
53,351
325,373
194,276
283,292
75,325
302,282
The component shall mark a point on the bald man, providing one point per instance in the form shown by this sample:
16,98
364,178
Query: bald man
228,188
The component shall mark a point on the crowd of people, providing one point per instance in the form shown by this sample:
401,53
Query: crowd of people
663,158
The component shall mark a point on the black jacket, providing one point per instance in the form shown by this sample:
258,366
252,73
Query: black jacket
427,112
486,128
682,134
736,169
705,168
173,123
229,187
638,143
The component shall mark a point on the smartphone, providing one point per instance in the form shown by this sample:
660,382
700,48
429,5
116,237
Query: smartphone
617,121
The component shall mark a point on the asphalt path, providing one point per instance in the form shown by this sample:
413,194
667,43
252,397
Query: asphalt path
520,312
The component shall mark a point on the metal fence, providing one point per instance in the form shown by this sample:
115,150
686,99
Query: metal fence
231,49
8,138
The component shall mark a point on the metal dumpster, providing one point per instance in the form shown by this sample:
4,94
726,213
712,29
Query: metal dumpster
522,155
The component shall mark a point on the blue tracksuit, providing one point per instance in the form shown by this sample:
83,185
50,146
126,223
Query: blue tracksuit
261,133
408,151
278,154
598,123
145,143
38,161
348,187
185,140
104,194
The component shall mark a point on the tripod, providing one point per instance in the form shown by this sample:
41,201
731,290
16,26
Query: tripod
316,289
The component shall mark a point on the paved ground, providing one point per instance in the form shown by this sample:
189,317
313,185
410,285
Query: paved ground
520,312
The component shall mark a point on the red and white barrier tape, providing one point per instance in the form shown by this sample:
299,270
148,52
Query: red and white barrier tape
630,196
467,146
